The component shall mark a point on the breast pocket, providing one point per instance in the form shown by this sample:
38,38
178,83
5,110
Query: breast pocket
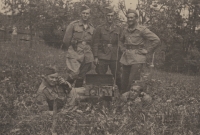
105,36
88,36
134,39
115,37
78,33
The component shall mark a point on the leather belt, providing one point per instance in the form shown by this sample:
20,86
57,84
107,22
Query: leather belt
134,46
84,42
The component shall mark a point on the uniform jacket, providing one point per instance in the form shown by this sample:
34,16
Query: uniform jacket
46,93
103,36
140,38
77,34
76,31
145,98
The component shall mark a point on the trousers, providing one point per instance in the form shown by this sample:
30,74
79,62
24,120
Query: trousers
114,66
130,74
84,68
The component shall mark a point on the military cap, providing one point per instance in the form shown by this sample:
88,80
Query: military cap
50,70
132,11
84,7
108,10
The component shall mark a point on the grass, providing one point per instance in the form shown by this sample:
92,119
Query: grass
174,111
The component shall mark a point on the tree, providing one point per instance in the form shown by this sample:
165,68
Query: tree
51,17
178,34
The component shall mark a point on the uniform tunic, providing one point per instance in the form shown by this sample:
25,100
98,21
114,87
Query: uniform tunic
105,35
106,49
46,96
135,43
137,38
77,34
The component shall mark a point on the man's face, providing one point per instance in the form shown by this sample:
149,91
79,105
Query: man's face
110,17
135,90
52,79
154,3
131,19
85,15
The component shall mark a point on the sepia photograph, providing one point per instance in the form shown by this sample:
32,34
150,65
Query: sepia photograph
99,67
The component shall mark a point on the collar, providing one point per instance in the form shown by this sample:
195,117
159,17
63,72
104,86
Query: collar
81,23
110,27
44,83
131,29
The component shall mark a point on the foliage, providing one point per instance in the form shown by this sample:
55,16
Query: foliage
179,34
174,110
50,18
176,33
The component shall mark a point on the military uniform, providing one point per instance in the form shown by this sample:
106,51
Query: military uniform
132,44
106,49
142,97
78,40
46,96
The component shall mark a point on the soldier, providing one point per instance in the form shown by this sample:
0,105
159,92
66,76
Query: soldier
133,39
137,95
52,89
77,41
105,48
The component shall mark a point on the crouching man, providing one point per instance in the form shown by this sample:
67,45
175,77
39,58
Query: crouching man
137,95
52,89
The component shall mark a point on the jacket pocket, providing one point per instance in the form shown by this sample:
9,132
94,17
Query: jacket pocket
133,57
105,36
78,32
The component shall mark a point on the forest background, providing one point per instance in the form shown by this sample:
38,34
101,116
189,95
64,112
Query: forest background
175,107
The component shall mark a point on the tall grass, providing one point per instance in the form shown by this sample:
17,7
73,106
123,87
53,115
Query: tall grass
174,111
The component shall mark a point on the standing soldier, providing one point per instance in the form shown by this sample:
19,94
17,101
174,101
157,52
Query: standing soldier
77,42
105,48
133,38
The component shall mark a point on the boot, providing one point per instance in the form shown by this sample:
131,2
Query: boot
79,83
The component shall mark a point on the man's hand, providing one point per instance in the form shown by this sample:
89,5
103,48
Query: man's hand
96,61
141,51
61,80
66,85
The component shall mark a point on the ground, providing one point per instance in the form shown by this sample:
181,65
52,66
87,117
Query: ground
174,111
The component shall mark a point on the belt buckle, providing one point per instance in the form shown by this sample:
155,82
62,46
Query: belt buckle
83,42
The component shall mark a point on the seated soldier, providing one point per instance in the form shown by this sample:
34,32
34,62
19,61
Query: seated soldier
137,95
52,89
